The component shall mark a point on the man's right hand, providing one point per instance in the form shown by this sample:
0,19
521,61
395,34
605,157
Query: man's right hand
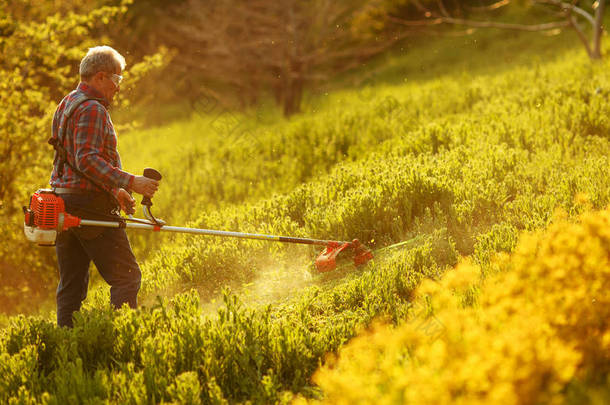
145,186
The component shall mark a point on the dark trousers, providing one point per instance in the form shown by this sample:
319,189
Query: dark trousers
110,251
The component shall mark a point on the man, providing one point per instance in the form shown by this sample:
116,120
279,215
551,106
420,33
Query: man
87,175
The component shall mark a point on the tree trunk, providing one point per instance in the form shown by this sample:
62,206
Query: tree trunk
292,96
598,30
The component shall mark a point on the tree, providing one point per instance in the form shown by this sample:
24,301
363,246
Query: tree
566,15
250,46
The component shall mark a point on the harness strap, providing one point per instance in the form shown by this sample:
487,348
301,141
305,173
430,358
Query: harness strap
58,142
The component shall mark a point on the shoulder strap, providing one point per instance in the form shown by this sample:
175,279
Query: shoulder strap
79,98
58,142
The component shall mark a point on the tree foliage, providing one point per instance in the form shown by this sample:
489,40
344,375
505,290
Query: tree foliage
41,47
253,47
426,15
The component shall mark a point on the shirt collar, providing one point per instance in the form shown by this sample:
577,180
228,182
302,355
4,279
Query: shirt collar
91,92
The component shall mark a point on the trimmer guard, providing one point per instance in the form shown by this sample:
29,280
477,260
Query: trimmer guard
327,261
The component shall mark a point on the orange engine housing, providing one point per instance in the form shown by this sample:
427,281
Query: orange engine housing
45,206
47,211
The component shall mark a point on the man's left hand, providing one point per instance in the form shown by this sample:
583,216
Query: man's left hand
128,203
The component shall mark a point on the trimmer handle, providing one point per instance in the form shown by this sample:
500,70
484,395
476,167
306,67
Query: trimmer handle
151,174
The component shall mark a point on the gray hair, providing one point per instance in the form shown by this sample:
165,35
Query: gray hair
101,59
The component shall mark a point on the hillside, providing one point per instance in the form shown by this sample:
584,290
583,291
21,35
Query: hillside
459,156
457,153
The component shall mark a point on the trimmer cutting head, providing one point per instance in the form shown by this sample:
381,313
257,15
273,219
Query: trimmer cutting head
327,261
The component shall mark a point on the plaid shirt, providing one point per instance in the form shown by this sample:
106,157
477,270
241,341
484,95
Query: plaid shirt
91,146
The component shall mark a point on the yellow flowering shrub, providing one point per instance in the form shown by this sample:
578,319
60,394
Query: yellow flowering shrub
537,325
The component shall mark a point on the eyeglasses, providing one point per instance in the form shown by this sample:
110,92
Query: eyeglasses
116,79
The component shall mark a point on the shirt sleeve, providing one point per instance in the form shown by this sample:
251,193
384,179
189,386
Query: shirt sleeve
89,133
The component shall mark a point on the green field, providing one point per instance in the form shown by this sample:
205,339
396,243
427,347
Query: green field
457,149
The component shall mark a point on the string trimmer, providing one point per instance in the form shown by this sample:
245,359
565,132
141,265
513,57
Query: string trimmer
47,216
